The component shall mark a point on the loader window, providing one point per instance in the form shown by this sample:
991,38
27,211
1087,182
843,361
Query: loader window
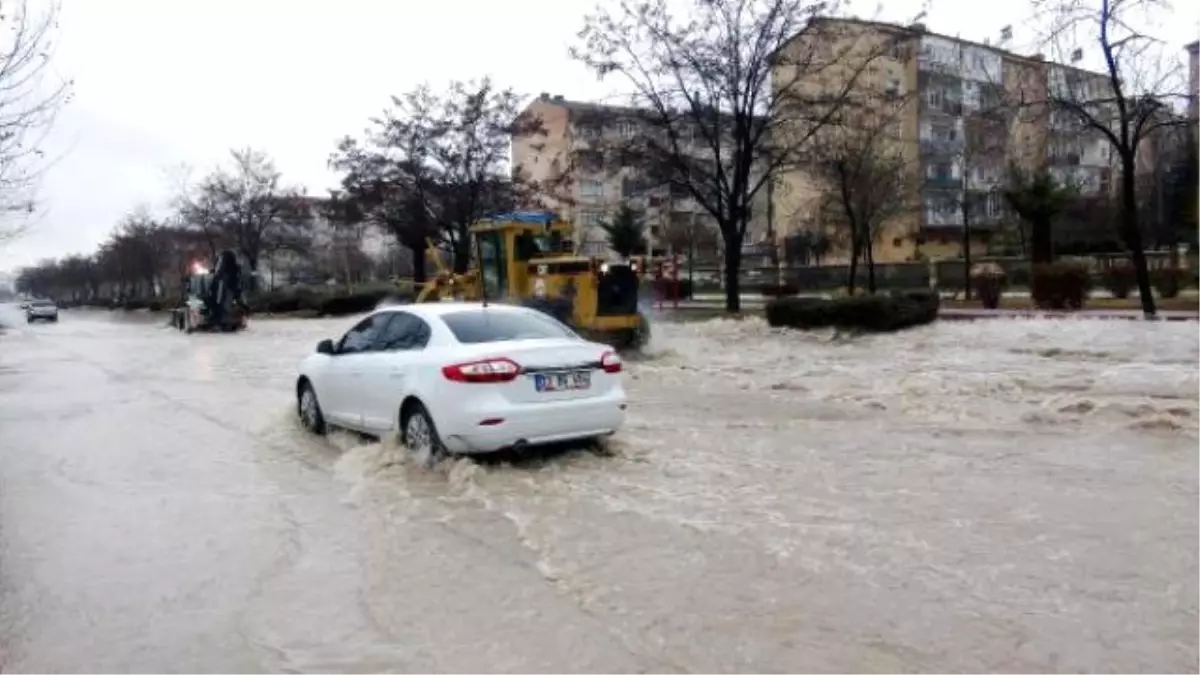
530,246
493,263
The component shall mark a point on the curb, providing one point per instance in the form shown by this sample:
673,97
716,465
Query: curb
1093,315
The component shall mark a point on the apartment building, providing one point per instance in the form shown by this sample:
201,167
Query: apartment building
332,250
573,158
967,117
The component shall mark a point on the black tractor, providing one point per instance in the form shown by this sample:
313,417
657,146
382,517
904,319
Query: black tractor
212,300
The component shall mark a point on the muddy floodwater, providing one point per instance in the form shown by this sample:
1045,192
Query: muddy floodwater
988,496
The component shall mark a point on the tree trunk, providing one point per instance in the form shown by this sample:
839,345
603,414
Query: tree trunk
855,252
966,248
462,251
418,263
1041,243
869,253
1133,235
733,268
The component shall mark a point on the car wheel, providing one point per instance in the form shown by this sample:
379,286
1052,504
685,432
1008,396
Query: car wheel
309,410
420,436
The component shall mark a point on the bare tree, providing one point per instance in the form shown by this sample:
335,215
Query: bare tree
384,181
142,258
29,101
248,208
726,96
435,163
1126,104
469,152
868,172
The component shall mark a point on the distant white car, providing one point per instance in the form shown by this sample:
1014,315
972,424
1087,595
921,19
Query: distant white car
41,310
463,378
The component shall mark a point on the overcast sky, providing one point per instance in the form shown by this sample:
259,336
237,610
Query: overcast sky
160,83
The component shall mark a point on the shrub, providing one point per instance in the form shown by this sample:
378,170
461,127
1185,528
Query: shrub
1119,279
1168,281
989,281
879,313
779,290
1063,284
354,303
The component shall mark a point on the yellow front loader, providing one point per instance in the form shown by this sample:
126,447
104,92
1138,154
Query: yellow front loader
527,258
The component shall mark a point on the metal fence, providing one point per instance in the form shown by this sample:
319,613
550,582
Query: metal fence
947,274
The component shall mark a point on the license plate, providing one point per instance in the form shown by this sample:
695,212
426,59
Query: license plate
549,382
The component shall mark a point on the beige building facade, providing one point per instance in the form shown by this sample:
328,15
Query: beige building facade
968,111
573,161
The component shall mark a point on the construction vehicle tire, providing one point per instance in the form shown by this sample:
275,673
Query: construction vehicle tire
641,334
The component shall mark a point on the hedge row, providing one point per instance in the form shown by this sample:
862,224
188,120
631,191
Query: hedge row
323,304
1065,284
1121,281
878,313
278,302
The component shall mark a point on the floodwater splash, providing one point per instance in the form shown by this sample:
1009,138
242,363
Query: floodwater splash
916,501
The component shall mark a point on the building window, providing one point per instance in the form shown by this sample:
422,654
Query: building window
630,187
590,160
590,219
940,171
589,130
944,133
593,189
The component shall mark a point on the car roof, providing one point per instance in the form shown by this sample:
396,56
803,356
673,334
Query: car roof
438,309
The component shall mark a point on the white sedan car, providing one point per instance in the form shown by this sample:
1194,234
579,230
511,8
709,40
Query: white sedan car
463,378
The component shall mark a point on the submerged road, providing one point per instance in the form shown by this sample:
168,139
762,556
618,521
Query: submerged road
1007,496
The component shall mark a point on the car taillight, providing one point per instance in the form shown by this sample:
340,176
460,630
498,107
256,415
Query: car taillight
488,370
610,362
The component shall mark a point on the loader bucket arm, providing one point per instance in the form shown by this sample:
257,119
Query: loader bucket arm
433,252
441,276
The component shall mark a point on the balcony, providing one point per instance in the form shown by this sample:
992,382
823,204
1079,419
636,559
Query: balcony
942,181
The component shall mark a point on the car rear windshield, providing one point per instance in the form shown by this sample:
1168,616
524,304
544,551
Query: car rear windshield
476,326
42,303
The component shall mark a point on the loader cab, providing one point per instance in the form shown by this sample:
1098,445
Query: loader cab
505,244
492,248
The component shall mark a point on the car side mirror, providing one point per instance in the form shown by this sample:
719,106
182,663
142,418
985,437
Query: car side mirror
326,347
